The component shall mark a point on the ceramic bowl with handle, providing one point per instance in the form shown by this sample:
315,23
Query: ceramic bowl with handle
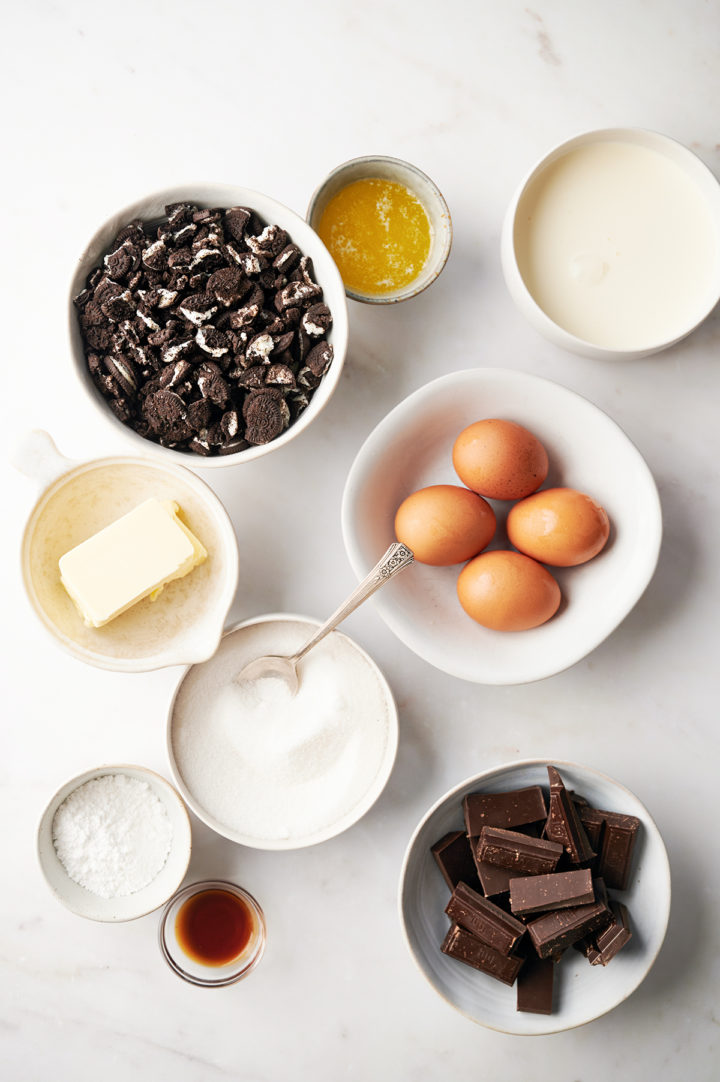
77,499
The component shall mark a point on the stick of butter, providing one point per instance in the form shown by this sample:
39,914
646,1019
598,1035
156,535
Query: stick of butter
130,559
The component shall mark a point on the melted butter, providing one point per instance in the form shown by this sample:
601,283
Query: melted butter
379,235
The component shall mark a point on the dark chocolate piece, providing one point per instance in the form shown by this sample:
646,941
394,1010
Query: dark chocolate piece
555,931
559,890
593,821
467,948
563,823
618,842
509,849
535,986
493,879
613,938
455,860
505,810
484,919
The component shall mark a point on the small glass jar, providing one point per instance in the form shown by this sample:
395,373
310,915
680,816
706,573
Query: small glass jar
212,933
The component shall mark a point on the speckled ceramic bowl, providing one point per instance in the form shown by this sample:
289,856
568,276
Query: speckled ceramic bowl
426,191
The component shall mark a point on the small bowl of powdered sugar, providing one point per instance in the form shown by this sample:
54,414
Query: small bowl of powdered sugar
114,843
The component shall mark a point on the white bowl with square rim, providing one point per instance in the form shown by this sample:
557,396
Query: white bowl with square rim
412,447
583,992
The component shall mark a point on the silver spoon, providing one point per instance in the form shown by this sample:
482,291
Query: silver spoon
395,559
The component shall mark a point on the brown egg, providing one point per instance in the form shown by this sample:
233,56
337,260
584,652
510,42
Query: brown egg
500,459
444,524
559,526
507,591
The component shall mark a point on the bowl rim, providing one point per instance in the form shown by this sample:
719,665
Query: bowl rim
332,282
160,785
403,167
379,436
363,806
231,558
491,772
515,282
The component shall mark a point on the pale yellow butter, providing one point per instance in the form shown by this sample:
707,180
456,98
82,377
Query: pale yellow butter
130,559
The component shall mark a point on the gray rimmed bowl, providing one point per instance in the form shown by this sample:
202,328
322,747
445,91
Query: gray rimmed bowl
379,166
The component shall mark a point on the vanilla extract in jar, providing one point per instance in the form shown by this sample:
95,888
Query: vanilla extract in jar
212,933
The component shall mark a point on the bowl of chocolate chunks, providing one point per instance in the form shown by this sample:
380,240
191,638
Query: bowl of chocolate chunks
207,322
535,896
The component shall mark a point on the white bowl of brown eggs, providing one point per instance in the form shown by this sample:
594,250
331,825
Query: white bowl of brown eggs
534,520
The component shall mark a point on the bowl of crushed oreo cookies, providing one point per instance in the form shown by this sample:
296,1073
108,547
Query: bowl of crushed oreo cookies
208,320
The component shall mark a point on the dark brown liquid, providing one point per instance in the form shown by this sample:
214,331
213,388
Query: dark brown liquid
214,927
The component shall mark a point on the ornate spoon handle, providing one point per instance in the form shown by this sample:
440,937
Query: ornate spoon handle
396,559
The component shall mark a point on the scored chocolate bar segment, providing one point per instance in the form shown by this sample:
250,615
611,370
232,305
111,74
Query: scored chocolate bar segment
563,823
509,849
618,842
553,932
454,858
593,821
493,879
467,948
559,890
510,809
484,919
612,939
535,985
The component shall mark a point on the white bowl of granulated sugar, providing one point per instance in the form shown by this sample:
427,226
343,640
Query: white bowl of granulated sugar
114,843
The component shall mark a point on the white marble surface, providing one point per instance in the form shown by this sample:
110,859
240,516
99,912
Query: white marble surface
103,102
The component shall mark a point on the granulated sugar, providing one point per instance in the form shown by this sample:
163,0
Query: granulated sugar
271,766
112,835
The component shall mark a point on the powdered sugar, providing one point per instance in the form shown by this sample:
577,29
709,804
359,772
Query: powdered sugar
112,835
269,766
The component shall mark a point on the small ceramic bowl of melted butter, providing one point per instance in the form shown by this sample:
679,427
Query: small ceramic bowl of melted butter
611,244
386,225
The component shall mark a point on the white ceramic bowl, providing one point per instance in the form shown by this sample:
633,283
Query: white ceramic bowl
151,207
585,992
708,291
412,447
333,817
185,622
163,886
426,191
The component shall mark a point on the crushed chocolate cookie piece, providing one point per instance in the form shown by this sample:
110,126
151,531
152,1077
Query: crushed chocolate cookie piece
212,341
280,375
236,221
296,293
319,358
317,320
225,284
263,418
198,308
288,258
212,384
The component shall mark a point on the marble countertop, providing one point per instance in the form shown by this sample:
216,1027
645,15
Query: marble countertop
105,103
